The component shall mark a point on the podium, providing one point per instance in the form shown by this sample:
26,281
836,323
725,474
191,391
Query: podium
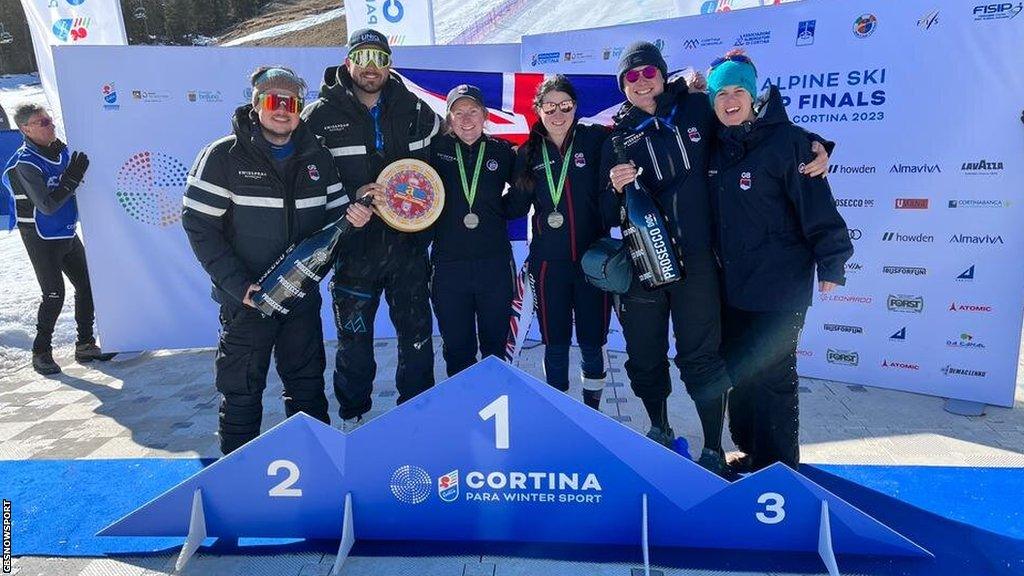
494,455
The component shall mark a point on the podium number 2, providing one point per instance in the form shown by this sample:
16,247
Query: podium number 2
499,411
773,508
284,489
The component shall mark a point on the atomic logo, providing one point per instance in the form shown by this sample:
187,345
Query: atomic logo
150,186
411,484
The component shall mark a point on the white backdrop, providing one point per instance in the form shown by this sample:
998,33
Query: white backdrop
70,23
168,102
405,22
923,98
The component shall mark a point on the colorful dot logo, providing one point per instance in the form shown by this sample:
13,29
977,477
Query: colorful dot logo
150,186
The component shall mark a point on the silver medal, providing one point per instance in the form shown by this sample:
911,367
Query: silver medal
555,219
471,220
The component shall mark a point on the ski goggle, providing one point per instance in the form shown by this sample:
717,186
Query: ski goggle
367,56
743,58
273,102
647,72
564,106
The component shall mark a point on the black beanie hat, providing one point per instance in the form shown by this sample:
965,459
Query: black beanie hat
641,54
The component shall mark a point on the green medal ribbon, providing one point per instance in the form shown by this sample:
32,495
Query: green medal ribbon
467,190
556,193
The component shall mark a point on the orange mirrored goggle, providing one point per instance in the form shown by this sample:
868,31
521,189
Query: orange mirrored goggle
272,102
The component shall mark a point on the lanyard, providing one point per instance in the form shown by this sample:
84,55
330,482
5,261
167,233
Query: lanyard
556,193
467,190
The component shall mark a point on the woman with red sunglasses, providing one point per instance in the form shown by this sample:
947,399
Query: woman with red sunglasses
775,228
667,132
557,175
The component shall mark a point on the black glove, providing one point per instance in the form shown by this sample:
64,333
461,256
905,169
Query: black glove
77,166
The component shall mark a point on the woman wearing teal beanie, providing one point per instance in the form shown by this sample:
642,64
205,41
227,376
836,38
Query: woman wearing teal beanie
775,227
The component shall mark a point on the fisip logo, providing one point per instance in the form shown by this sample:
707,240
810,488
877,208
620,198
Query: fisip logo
842,357
997,11
905,303
149,187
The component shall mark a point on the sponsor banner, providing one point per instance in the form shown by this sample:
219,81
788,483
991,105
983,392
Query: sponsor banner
54,23
404,22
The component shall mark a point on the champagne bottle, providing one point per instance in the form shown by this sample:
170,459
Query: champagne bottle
301,268
652,247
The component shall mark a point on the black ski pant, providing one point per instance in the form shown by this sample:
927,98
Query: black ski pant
402,274
247,340
52,260
564,298
472,299
764,414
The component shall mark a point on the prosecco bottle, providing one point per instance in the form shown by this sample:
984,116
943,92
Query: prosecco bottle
652,248
301,268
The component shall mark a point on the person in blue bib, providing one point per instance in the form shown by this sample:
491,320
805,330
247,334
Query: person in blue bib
43,176
473,271
557,174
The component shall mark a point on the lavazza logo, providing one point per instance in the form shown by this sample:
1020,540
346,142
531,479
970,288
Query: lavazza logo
843,357
905,303
413,485
844,328
981,168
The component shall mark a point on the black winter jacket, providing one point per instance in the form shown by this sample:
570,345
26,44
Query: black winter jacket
775,225
408,126
452,239
672,148
240,213
587,212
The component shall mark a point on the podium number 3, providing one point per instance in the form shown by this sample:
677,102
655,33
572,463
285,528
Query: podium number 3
499,411
773,511
284,489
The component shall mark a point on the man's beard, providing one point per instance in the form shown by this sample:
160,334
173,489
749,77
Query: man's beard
365,86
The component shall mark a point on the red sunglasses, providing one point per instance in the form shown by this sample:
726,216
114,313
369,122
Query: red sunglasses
272,102
647,71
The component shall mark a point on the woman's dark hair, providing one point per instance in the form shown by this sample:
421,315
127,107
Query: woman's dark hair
559,83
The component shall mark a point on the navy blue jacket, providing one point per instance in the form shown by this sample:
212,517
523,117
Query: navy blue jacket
587,213
452,240
774,225
672,148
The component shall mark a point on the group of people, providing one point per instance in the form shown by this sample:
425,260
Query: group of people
741,188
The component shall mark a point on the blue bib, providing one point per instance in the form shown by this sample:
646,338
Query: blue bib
60,224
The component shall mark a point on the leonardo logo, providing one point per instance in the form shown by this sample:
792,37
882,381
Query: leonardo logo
448,486
843,357
844,298
149,187
911,203
905,303
975,239
977,308
954,371
865,25
900,237
915,169
411,484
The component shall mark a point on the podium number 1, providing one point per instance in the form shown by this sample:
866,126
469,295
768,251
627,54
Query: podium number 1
773,508
499,411
284,489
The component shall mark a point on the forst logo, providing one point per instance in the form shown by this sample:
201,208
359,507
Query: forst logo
998,11
905,303
843,357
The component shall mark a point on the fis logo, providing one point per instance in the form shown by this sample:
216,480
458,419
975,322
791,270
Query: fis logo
448,486
905,303
805,33
928,20
745,181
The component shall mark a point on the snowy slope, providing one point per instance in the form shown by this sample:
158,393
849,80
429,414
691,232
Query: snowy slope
18,88
295,26
544,16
